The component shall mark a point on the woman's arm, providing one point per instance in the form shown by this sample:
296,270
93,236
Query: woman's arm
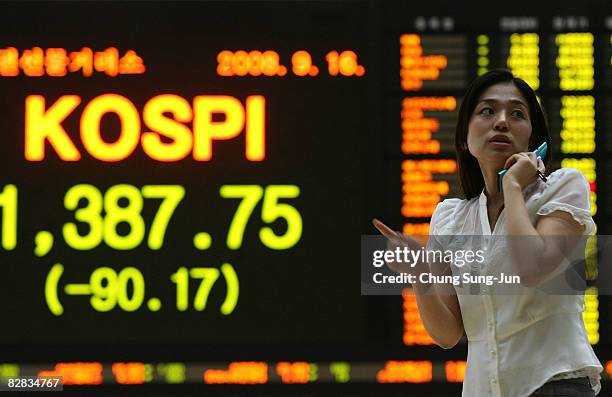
553,238
539,250
439,310
440,313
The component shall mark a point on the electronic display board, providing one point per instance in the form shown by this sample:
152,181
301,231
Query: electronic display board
185,184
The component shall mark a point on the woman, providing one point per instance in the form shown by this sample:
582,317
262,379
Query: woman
529,344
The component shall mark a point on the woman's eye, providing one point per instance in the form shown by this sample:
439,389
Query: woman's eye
519,114
486,111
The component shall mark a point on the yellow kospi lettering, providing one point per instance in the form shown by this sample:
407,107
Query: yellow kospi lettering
180,134
256,128
205,130
165,116
46,126
130,127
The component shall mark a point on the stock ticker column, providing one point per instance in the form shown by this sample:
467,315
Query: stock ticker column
558,61
604,144
572,101
556,56
434,68
433,72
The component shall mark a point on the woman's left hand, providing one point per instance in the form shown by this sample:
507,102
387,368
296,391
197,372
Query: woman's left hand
522,169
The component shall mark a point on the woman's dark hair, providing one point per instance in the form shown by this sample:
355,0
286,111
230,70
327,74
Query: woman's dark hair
470,175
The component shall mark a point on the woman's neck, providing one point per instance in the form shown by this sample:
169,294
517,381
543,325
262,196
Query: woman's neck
495,198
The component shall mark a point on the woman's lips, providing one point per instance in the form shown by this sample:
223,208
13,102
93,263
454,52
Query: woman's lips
500,144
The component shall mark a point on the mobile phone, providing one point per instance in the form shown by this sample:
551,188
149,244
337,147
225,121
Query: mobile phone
540,153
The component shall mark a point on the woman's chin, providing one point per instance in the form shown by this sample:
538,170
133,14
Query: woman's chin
496,160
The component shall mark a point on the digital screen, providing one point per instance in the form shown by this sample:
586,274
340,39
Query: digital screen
185,184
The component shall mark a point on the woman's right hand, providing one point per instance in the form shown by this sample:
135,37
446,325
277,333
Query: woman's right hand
439,310
399,239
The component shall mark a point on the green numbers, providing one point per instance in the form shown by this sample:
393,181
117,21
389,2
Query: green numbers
133,276
129,214
270,212
8,202
207,277
120,204
341,371
109,289
181,279
100,215
250,195
103,285
90,215
172,196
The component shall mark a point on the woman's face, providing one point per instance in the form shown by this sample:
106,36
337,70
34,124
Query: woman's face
500,124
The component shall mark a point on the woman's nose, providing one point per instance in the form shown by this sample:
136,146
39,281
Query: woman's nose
501,122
